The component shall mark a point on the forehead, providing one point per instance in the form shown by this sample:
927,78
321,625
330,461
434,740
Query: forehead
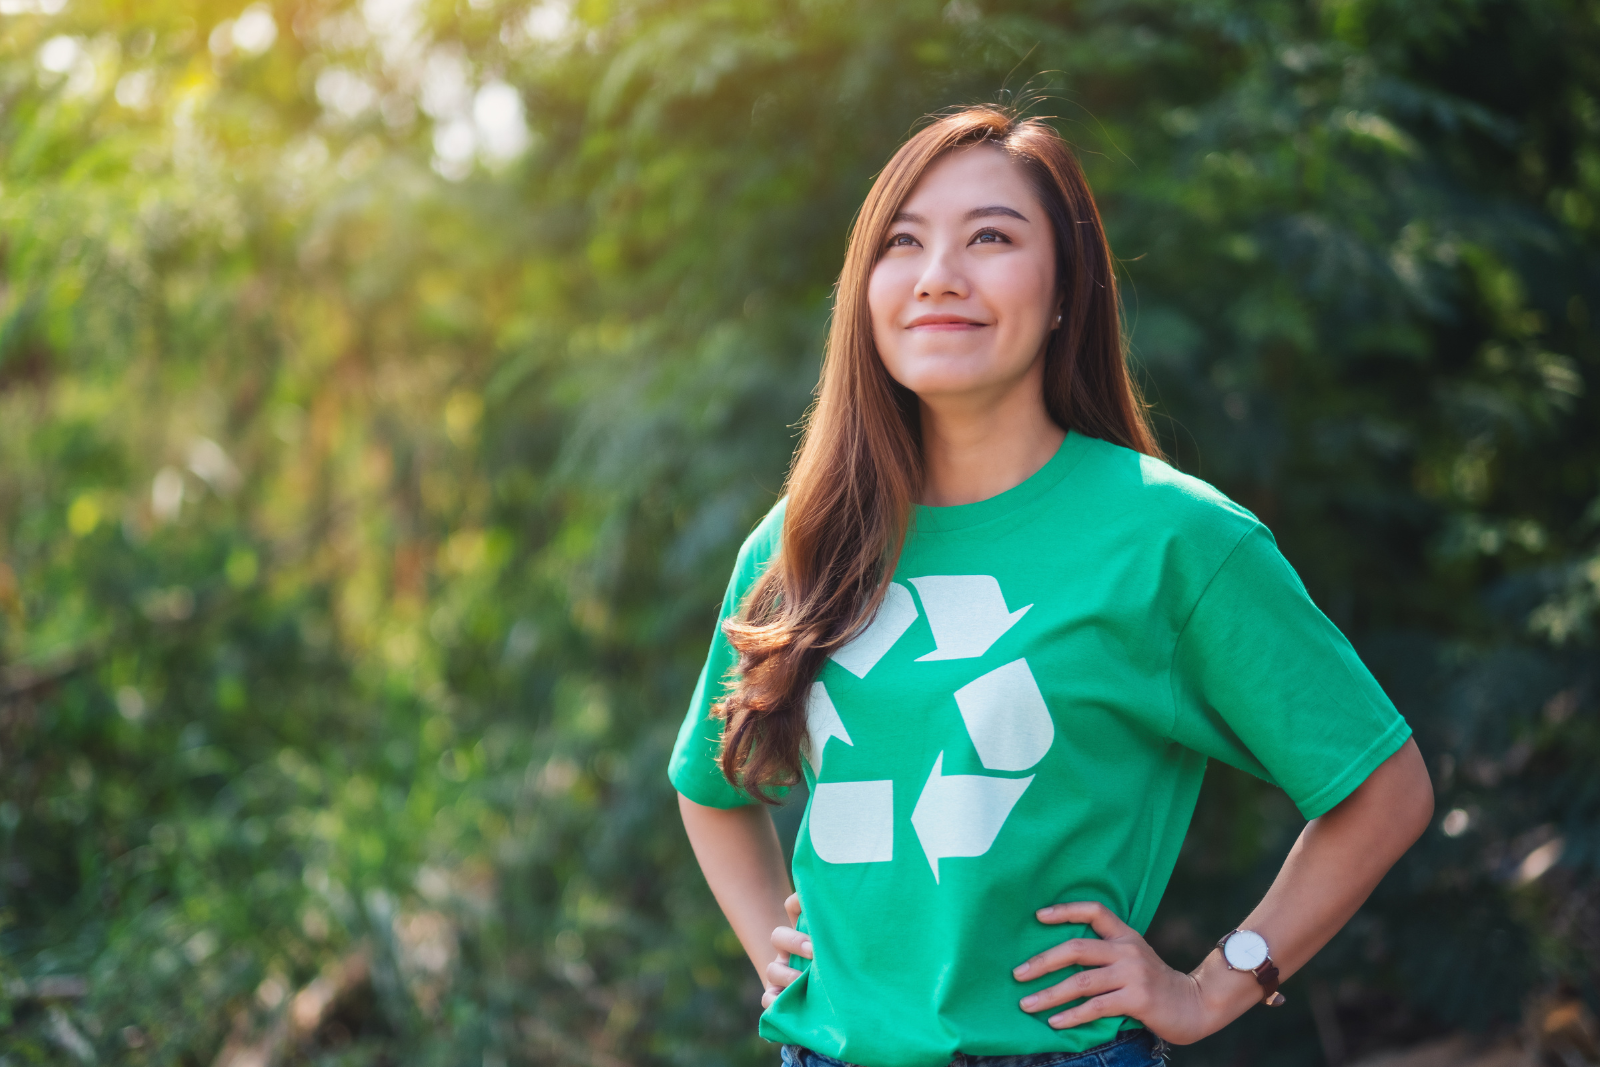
975,176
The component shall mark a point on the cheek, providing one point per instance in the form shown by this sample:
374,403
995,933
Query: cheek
1020,289
886,292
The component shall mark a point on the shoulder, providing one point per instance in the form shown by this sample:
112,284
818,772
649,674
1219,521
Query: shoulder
1165,499
761,545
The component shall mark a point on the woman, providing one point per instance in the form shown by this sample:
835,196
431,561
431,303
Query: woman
999,638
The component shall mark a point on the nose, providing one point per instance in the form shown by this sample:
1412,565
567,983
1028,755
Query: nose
942,275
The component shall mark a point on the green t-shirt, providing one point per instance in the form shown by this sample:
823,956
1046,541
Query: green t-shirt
1026,722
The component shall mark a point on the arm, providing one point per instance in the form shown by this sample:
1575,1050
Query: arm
741,857
1336,863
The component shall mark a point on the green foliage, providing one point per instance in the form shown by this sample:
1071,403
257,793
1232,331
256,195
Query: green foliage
370,474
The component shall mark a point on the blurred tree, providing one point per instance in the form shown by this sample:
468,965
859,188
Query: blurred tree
384,389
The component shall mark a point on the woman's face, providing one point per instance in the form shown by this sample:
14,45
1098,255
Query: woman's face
964,294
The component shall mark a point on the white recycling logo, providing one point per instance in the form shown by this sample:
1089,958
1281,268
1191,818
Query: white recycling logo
1003,711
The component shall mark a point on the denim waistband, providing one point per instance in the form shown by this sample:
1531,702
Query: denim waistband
1132,1048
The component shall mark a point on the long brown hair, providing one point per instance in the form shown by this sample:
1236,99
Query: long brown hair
859,466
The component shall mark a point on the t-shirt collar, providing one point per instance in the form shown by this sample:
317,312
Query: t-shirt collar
926,519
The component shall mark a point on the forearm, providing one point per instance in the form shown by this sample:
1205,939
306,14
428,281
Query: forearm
739,852
1336,863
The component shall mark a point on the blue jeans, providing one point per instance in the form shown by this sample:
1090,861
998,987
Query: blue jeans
1131,1048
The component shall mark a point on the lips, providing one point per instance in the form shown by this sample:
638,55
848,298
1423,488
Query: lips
943,322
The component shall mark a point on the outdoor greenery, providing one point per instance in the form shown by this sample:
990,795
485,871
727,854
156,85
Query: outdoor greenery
385,388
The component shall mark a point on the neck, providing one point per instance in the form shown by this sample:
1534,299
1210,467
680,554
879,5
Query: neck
976,448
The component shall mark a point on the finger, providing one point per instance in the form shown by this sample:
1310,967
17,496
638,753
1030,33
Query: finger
792,906
781,974
792,941
768,995
1087,983
1094,1008
1097,915
1086,951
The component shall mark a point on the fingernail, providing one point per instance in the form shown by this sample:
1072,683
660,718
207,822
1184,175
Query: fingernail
1057,1020
1030,1003
1045,913
1020,970
805,946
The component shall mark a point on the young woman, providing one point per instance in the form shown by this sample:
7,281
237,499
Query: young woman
998,638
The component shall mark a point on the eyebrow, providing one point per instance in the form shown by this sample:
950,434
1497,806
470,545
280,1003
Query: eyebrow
976,213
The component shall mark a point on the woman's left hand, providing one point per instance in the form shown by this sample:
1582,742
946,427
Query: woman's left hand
1123,976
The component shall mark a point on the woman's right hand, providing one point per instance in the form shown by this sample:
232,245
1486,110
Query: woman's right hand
788,941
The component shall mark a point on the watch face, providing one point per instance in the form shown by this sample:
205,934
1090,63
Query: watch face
1245,950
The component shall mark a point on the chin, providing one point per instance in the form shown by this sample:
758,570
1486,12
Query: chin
950,375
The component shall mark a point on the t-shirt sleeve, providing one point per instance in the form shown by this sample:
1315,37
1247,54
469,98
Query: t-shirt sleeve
693,769
1263,680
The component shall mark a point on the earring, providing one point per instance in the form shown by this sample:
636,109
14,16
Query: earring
1058,320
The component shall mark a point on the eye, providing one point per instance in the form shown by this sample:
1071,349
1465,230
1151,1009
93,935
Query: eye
901,240
990,237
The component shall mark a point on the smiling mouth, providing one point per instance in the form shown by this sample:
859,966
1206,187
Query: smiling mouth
941,325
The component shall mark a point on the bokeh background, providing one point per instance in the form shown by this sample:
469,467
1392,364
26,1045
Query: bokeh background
385,387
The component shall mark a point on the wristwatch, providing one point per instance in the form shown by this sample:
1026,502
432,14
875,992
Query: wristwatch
1246,950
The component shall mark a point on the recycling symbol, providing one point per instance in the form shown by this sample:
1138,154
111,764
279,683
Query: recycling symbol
1003,711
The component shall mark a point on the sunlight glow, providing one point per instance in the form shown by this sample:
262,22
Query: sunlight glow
32,7
497,113
59,54
255,30
1539,861
344,92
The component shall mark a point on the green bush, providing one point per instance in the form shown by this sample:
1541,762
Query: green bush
372,460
